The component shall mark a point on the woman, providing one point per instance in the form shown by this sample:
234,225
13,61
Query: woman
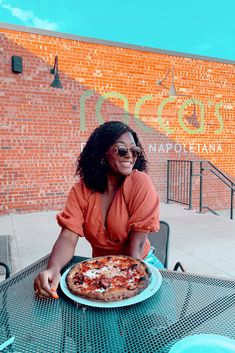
114,204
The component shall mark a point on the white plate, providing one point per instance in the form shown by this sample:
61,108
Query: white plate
204,343
154,285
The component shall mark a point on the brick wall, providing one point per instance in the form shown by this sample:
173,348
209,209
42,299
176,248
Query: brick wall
42,128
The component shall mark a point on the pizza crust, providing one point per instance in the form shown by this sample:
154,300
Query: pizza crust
108,278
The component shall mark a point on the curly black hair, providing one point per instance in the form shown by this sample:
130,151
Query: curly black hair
90,164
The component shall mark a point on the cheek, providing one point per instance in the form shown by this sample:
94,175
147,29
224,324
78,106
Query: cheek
111,162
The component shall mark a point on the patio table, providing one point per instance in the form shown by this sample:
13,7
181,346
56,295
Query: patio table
185,304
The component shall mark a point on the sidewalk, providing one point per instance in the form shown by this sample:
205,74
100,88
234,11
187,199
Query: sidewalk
204,243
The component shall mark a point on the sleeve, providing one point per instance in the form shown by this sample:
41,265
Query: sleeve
72,217
143,204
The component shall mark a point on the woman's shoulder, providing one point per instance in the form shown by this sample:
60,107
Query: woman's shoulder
81,190
138,177
139,190
138,182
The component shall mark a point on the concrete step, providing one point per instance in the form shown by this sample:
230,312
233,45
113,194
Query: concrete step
226,213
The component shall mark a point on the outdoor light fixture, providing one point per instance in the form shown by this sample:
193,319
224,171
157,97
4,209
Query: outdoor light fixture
17,64
172,90
191,119
56,82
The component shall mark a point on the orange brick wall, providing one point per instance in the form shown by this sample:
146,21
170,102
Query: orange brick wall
42,128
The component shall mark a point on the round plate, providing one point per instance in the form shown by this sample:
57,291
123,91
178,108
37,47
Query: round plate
154,285
204,343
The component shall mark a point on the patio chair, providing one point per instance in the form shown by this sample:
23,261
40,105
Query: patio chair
7,269
160,241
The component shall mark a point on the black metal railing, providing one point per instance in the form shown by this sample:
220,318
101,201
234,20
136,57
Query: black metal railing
179,181
222,177
180,176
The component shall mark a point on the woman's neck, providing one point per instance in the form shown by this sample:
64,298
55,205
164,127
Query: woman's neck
114,182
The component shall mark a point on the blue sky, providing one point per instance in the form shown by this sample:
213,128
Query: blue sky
204,27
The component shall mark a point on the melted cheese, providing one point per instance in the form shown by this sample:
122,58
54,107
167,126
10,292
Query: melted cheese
92,273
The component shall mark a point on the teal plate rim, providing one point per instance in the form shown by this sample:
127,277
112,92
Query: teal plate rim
204,341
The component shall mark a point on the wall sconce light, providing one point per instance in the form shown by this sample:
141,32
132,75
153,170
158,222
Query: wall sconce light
17,64
172,90
55,71
191,119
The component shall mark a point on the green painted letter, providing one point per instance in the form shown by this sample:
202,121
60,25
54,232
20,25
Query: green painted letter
180,116
221,128
138,105
109,95
159,114
83,98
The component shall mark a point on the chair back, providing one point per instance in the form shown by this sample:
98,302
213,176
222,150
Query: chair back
160,241
7,269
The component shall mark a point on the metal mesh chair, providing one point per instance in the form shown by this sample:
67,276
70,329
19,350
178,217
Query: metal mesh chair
160,241
7,269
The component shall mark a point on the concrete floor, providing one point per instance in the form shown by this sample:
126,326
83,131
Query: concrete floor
204,243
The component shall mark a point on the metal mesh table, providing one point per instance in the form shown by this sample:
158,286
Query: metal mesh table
185,304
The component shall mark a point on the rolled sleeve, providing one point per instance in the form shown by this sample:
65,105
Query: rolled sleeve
72,217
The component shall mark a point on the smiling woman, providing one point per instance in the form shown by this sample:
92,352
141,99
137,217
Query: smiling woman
114,204
122,155
106,144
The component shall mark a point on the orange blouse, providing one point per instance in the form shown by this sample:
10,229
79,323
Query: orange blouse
135,207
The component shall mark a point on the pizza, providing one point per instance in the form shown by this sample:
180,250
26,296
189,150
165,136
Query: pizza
108,278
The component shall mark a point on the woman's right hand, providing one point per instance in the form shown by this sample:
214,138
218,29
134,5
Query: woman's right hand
46,283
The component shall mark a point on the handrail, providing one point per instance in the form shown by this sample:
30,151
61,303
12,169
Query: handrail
218,170
232,188
178,183
212,171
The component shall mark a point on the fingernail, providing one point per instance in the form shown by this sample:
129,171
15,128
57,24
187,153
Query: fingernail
55,296
53,289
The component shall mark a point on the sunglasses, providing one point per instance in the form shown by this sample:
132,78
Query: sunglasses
123,151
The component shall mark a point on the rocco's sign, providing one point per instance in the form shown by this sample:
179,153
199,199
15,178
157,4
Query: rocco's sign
200,128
